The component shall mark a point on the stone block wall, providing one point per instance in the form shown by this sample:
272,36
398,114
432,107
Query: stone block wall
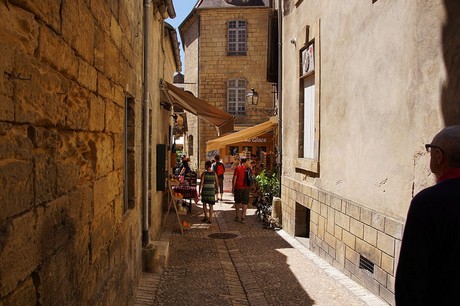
190,39
208,66
345,233
216,67
67,67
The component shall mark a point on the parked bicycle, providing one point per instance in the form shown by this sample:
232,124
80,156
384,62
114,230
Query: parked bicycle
266,188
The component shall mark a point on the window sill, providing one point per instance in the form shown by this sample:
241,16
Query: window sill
307,164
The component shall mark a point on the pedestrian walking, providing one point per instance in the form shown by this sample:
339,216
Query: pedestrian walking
428,269
219,169
184,168
207,191
240,190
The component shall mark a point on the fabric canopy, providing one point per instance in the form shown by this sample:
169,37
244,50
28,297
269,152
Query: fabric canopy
220,118
240,136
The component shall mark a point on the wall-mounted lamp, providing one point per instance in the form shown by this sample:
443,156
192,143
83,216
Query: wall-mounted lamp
252,99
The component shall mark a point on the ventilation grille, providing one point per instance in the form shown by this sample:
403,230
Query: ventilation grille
366,264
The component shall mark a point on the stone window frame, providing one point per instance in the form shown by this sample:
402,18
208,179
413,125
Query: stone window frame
237,40
312,36
236,96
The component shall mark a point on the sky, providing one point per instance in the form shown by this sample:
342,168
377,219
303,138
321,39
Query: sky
182,8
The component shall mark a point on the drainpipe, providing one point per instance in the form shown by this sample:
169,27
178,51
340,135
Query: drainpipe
145,119
280,91
198,95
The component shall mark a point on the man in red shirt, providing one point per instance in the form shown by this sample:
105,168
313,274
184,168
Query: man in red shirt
240,190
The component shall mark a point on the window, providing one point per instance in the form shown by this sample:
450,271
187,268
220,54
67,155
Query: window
236,36
233,150
308,154
129,156
236,97
307,109
307,105
190,144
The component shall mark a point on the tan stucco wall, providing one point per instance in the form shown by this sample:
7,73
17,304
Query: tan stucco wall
381,77
380,74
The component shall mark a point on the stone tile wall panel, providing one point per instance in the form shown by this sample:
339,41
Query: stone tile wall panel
47,10
101,13
53,51
78,28
39,93
114,117
87,75
45,177
19,28
17,187
24,295
341,234
77,108
6,85
96,107
19,237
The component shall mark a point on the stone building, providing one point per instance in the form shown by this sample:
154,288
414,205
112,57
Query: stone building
74,216
365,84
225,46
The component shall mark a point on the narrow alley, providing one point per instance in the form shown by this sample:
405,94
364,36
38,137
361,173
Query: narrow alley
229,263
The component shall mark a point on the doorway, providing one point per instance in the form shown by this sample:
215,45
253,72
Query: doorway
302,224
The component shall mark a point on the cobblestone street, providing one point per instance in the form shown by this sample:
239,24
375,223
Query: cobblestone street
258,267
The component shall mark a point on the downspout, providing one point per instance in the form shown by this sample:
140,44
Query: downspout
280,91
198,95
146,123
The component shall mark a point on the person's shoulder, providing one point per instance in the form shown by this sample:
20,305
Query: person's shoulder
427,197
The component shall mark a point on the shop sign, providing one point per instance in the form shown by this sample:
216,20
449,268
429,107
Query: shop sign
256,139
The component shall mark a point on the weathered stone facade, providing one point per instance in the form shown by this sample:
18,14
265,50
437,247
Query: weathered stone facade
379,77
208,67
67,69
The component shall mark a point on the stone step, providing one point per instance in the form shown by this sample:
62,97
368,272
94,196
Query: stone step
155,257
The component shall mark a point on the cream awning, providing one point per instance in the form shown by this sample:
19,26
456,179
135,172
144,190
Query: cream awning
223,121
221,142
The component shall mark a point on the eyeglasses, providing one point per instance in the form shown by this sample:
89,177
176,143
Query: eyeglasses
428,147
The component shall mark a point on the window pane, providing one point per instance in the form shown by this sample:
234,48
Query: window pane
309,118
236,94
236,37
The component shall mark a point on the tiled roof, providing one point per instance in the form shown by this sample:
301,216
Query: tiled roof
231,3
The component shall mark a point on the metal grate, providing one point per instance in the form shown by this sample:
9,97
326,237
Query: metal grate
366,264
222,236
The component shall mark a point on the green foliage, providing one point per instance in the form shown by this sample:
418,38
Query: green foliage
268,183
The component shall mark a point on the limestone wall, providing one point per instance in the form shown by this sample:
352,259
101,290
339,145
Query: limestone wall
190,39
207,62
67,67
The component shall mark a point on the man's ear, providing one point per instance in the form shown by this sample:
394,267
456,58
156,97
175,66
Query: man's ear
440,158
